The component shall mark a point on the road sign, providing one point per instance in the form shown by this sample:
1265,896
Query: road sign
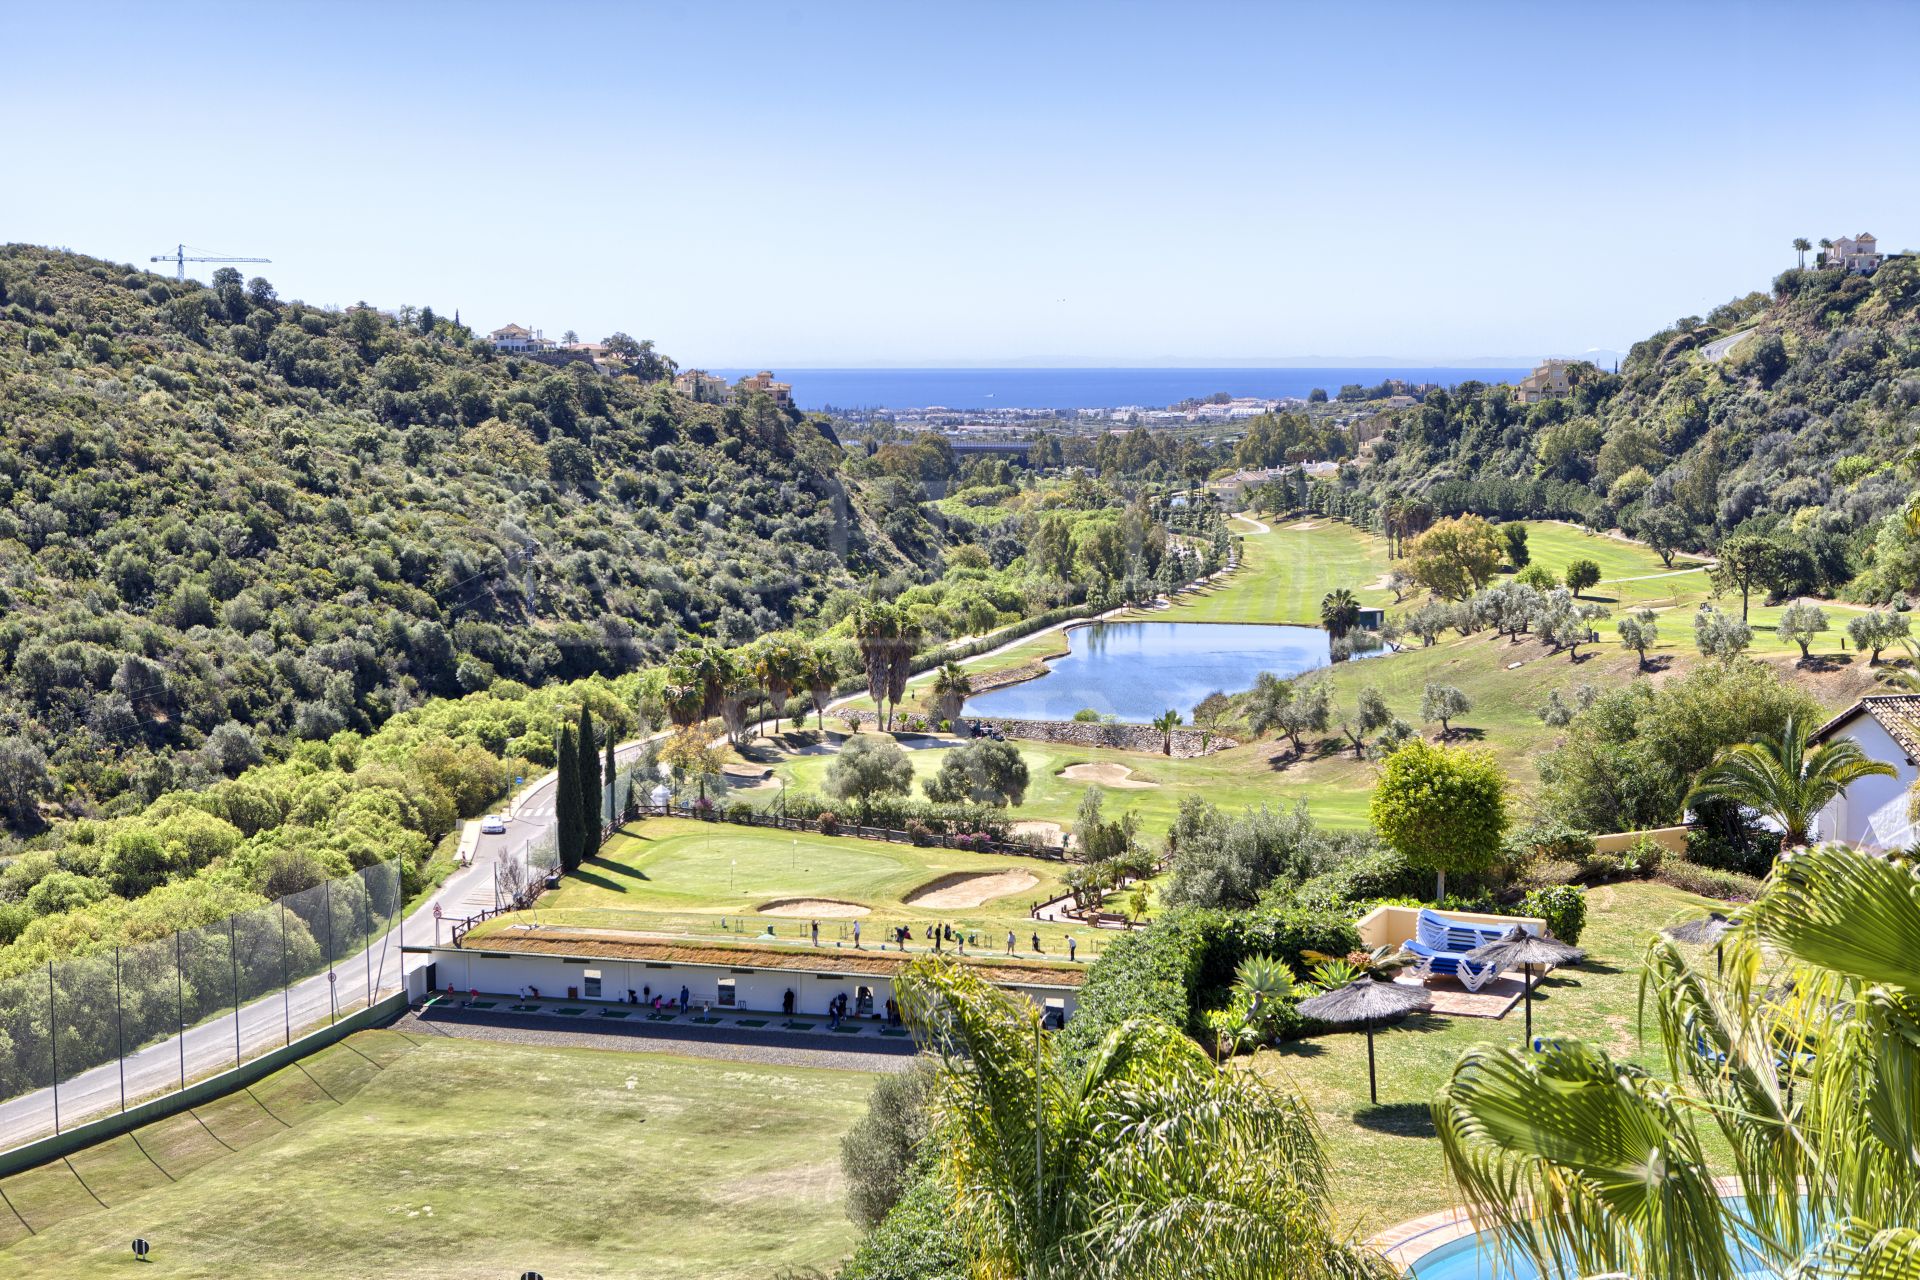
332,976
436,911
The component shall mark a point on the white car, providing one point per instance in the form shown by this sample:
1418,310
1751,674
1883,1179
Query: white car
493,825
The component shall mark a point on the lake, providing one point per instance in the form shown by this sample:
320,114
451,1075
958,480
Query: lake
1136,670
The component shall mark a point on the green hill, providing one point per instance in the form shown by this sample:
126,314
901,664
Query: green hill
1801,432
227,519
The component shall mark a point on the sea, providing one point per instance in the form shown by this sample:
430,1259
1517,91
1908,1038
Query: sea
822,389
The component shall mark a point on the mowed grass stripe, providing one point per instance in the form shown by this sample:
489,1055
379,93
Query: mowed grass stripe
468,1157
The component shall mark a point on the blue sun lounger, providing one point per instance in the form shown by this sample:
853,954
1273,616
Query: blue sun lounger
1440,945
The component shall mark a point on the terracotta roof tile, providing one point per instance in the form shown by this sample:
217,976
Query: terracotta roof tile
1897,713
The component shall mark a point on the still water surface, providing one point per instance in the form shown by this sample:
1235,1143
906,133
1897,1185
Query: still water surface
1136,670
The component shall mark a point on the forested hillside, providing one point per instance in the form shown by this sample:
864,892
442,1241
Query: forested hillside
228,520
1801,436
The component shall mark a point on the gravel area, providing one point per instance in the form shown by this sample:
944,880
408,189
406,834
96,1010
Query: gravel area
732,1044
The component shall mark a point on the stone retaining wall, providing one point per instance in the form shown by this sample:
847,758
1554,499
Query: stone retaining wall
1187,742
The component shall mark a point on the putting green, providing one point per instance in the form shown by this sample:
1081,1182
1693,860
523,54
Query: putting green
714,879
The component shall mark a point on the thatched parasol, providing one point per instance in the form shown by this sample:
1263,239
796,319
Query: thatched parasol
1518,947
1708,930
1367,1002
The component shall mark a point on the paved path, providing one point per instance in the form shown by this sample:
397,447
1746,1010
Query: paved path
1259,526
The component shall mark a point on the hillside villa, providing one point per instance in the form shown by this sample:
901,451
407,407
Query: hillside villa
1547,382
1859,254
519,339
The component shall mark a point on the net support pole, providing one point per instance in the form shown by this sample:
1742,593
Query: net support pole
180,1007
333,1000
53,1040
119,1030
233,960
286,982
369,951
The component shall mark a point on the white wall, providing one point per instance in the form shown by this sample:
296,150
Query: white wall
1873,811
758,990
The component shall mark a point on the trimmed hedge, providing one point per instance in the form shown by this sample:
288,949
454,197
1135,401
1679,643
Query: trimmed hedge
1184,966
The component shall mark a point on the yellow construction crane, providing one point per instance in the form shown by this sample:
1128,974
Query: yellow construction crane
180,258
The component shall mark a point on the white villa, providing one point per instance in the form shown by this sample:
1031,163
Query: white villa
1860,254
518,338
1547,382
1872,813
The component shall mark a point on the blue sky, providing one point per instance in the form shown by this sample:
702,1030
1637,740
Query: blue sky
839,184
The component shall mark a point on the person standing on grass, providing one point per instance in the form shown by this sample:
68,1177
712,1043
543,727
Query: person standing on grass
1009,942
1036,942
856,935
1071,947
816,933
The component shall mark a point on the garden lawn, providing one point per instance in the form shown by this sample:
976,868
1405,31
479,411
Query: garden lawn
1384,1160
709,879
464,1158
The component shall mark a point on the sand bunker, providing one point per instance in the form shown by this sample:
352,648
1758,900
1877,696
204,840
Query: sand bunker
970,889
1118,776
1047,832
813,908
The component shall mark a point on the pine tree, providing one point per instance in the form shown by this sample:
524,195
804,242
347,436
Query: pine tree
587,779
566,802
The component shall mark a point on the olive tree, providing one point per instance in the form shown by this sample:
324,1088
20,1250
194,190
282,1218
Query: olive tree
1443,703
868,767
1801,623
1639,631
1877,630
1720,635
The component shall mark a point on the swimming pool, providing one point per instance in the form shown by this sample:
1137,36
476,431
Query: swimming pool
1478,1257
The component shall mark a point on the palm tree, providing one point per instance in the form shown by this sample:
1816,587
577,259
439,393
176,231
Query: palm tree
1166,722
1339,612
1144,1159
1802,1060
1784,780
951,688
877,627
1800,246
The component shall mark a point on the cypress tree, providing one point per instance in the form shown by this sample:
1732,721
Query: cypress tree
588,780
611,772
566,801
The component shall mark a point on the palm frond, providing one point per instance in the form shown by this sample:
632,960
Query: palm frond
1571,1156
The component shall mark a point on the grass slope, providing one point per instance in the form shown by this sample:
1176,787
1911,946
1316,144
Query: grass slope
459,1158
1385,1163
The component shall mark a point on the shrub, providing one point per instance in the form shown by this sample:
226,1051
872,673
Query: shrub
1554,839
1725,839
1709,882
918,1240
878,1154
828,823
919,832
1563,907
1355,885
